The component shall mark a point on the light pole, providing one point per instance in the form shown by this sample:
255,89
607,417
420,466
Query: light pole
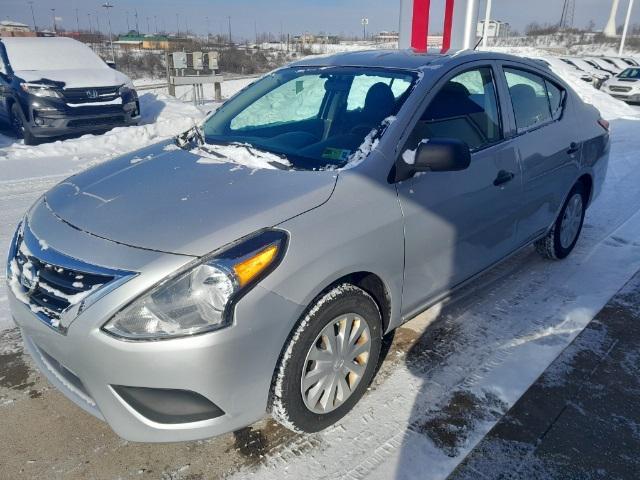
365,22
90,27
53,16
625,30
230,37
33,17
178,24
155,23
127,15
487,19
107,6
77,21
148,26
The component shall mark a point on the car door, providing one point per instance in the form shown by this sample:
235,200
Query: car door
547,144
459,223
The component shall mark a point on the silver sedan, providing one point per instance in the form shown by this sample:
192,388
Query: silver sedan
253,265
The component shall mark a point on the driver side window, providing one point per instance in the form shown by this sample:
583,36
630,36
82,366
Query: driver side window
465,108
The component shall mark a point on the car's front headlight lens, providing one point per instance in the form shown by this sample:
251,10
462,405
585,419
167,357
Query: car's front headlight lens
40,90
126,88
199,299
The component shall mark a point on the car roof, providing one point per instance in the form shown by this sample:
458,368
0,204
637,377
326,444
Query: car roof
404,59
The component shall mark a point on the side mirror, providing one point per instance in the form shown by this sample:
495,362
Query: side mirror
111,64
435,155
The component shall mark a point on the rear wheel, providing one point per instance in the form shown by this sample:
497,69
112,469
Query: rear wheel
329,360
20,127
564,234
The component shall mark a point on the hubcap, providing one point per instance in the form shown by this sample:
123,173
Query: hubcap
335,363
571,221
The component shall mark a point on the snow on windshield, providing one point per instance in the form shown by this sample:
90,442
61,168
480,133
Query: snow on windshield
50,54
242,155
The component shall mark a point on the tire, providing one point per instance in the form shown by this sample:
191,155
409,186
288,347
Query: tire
556,246
345,305
20,127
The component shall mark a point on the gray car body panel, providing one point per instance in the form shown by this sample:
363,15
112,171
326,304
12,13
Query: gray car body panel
208,204
420,238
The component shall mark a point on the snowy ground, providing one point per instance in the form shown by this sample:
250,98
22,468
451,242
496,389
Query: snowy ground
444,386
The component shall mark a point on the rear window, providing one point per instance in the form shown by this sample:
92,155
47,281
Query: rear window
50,54
535,99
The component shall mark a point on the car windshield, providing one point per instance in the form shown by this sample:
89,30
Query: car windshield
313,117
630,73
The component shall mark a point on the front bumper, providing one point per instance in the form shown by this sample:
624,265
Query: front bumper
232,367
631,97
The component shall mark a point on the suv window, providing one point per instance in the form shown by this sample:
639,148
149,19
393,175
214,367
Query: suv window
465,108
532,105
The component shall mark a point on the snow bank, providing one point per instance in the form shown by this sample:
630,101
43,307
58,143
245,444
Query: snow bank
162,117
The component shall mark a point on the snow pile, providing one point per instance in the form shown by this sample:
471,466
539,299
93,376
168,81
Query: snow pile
162,117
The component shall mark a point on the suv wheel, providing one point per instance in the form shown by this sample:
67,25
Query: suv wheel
20,127
564,234
328,361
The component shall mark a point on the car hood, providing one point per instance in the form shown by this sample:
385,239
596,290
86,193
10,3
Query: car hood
76,78
161,198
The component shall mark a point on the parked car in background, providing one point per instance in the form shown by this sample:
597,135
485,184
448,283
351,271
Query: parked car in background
253,265
57,86
586,72
600,63
625,86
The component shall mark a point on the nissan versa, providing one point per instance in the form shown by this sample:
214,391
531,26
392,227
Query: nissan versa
253,264
57,86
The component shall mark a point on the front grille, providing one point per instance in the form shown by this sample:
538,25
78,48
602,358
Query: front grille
52,284
615,88
90,94
97,122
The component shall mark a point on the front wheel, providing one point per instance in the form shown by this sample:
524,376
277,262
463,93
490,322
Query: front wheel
564,234
328,361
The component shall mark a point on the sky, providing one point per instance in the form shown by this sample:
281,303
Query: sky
292,16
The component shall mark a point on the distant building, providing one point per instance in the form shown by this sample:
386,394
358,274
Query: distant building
495,29
386,37
147,42
9,28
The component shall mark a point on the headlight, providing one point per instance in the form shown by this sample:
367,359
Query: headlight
40,90
200,298
125,88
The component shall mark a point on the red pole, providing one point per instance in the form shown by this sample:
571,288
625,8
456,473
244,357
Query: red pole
448,24
420,24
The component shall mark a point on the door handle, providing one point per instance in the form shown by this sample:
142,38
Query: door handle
574,148
503,177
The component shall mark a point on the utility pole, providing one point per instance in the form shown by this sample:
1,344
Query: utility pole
90,27
178,24
107,6
208,28
136,17
255,30
487,19
155,23
53,17
625,30
77,21
148,26
33,17
127,15
98,24
230,37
